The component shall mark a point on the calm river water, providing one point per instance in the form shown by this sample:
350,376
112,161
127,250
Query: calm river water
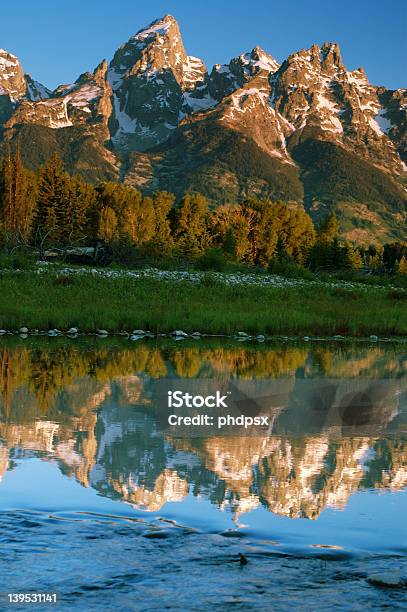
102,506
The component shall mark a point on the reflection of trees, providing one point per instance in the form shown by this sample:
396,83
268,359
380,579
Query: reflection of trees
246,363
187,363
349,362
45,371
14,372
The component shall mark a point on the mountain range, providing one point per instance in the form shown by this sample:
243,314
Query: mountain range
307,130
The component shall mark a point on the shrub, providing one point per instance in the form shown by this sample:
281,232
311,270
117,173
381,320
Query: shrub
19,260
124,253
213,259
397,294
290,270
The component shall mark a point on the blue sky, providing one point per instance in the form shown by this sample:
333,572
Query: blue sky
57,41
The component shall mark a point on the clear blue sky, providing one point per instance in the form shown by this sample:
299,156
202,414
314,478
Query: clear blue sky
56,41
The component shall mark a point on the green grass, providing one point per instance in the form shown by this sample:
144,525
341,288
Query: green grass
46,301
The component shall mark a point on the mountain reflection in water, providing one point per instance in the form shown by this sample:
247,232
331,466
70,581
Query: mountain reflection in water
91,410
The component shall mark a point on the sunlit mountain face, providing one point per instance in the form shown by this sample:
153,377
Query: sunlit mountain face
91,410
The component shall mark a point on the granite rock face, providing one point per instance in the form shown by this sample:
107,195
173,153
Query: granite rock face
151,77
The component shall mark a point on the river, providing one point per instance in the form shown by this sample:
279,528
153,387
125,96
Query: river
102,505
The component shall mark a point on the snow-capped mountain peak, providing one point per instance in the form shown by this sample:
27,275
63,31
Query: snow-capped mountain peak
12,82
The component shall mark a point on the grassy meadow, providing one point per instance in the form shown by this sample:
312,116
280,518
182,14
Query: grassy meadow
46,301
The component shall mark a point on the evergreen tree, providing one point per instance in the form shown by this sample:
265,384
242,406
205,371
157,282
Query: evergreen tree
393,252
335,255
18,199
53,204
73,215
327,254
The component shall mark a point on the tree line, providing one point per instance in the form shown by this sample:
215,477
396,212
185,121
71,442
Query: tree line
51,208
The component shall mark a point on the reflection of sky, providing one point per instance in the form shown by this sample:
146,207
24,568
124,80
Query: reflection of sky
372,520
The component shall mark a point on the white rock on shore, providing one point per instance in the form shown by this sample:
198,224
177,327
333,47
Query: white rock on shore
179,333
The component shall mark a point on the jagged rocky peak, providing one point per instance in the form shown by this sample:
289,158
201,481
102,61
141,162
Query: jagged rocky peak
331,56
312,87
98,76
12,81
151,77
35,90
313,91
153,50
17,85
227,78
87,101
258,60
310,64
89,98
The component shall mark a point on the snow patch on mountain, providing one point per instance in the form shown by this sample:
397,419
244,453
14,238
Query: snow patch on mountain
7,61
357,77
115,78
83,96
193,71
36,91
159,27
259,59
126,124
330,120
385,125
375,126
242,96
194,104
57,113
